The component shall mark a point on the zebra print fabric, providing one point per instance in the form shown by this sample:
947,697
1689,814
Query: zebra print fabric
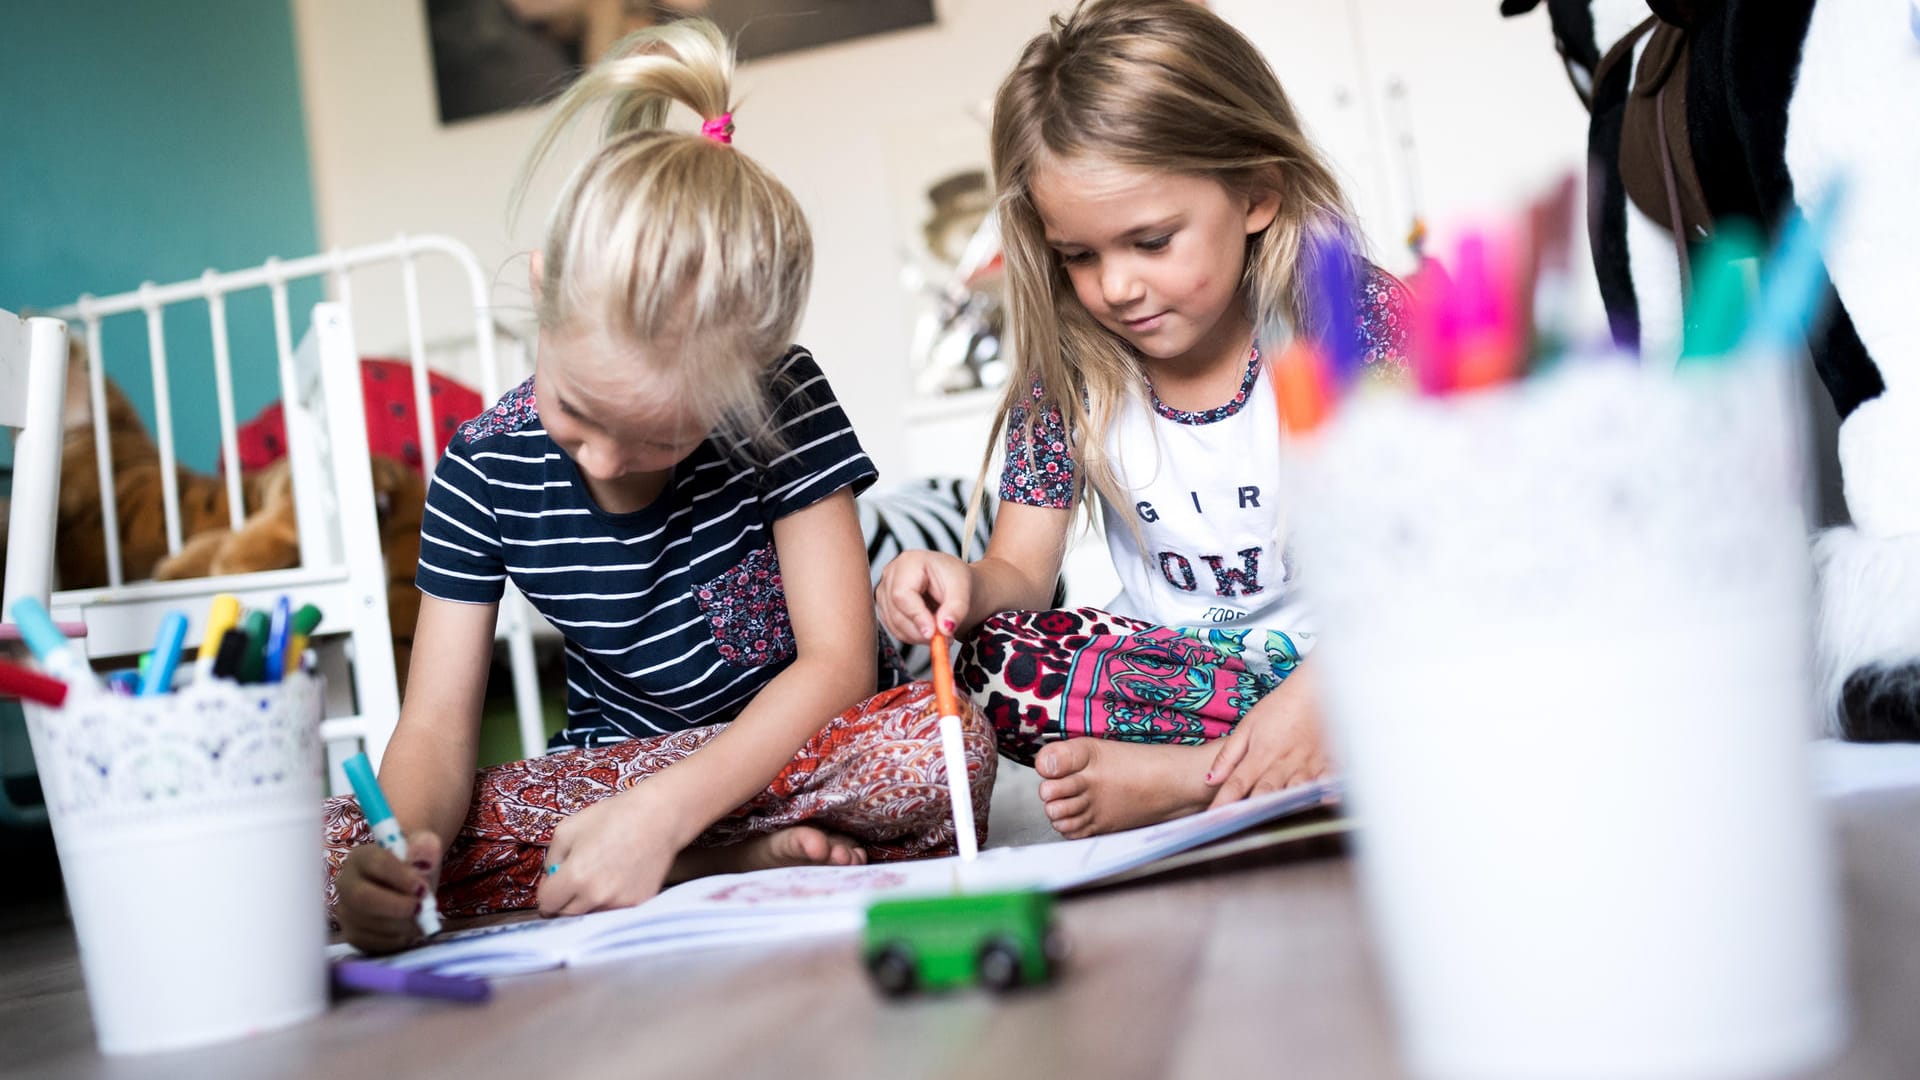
928,514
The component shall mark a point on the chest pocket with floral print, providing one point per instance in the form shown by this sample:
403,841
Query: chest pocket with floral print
746,610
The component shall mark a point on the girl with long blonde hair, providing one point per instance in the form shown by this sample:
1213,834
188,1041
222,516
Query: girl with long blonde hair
1156,195
673,489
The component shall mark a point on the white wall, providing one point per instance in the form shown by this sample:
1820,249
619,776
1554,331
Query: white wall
856,129
1494,119
850,128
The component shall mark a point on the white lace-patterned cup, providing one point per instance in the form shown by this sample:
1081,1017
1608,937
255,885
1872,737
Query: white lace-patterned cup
1567,671
188,827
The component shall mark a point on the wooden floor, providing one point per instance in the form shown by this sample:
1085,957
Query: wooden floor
1246,970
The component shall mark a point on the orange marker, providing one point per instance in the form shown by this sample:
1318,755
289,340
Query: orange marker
1300,387
943,693
954,749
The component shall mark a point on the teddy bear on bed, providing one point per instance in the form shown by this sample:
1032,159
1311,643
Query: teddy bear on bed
268,538
1703,110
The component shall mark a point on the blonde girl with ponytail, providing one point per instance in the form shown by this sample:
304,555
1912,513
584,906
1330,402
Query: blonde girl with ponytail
673,489
1156,193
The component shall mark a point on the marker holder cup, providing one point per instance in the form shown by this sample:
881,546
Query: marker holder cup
1565,646
188,827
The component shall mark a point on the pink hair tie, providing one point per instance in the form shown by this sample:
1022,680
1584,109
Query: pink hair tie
719,129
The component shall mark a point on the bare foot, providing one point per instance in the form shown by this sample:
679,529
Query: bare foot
801,845
1094,786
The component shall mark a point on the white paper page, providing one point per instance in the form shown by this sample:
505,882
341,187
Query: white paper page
508,949
771,904
790,903
1080,862
1844,768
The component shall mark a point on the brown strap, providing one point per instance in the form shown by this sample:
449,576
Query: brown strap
1673,197
1621,50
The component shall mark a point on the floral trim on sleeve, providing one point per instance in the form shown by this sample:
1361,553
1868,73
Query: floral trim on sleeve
515,409
1383,323
1039,470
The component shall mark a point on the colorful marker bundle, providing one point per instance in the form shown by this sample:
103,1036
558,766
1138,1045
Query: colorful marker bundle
1503,311
262,648
255,646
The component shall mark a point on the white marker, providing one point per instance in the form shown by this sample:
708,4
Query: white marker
954,749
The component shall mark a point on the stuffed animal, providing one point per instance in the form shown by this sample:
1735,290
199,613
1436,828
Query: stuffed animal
268,538
80,558
1704,110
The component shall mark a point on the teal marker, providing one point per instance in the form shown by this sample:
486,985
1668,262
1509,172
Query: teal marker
1795,285
1717,311
57,656
156,668
386,830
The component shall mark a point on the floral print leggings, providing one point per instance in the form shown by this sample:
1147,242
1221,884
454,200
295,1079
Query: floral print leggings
874,773
1041,676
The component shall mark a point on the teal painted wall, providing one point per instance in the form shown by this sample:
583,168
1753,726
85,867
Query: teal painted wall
150,141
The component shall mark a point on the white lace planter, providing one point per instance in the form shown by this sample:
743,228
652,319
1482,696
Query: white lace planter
188,827
1565,646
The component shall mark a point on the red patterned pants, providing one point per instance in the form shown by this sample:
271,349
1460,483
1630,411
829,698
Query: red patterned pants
874,773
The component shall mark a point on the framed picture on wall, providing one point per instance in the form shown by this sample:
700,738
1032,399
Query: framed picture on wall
771,27
493,56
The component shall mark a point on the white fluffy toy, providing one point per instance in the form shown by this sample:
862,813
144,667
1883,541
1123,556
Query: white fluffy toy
1708,109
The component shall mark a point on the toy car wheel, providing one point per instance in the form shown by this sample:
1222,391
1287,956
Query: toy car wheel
893,969
999,964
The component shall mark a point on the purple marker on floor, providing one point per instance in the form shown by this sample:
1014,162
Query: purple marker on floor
372,978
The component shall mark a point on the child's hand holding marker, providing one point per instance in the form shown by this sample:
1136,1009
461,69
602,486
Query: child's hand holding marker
386,891
913,579
382,896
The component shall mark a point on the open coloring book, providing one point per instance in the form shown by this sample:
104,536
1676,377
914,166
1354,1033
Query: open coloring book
771,906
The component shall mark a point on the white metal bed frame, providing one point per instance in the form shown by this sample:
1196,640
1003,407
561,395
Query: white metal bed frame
327,448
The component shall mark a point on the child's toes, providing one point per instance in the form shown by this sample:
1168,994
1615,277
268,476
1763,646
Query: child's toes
843,850
812,845
1076,827
1061,809
1069,787
1063,758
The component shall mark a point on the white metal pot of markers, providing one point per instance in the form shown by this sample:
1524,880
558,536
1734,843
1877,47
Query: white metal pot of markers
188,828
1567,674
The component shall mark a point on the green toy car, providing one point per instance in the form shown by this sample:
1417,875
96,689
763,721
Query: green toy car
1003,940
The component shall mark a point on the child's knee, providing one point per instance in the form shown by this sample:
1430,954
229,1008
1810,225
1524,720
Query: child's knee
342,826
1005,622
905,742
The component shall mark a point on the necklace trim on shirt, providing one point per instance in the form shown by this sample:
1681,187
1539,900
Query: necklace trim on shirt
1217,413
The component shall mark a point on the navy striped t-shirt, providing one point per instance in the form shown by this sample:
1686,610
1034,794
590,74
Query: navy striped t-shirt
673,615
